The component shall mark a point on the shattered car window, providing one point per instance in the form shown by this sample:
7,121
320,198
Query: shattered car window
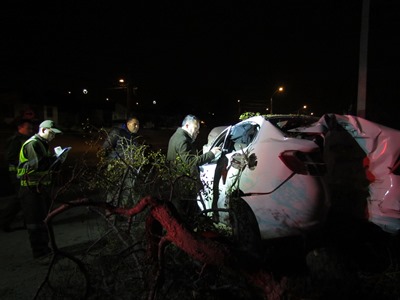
244,133
288,123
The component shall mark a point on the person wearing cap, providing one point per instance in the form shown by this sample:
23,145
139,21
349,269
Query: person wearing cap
35,174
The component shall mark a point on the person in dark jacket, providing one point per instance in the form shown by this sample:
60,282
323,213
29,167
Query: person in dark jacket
119,145
181,144
119,138
12,148
35,173
182,151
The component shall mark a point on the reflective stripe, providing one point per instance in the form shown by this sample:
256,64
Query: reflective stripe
32,183
43,177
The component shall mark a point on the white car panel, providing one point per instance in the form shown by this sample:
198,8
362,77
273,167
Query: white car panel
283,203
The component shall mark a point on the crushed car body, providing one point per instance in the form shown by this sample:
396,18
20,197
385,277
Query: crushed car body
377,167
273,175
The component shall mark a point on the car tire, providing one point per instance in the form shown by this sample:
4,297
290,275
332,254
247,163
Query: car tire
244,225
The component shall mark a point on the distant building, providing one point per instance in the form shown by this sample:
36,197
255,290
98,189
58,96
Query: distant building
14,107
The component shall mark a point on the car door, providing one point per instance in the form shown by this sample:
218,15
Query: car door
207,171
219,177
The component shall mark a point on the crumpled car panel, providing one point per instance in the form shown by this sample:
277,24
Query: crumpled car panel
380,145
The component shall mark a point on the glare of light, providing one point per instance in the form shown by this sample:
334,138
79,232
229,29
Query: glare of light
305,106
238,100
280,89
312,113
85,91
107,99
154,102
137,103
69,92
121,80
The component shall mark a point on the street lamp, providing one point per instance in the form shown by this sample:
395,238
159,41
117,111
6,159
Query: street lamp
125,85
130,92
302,109
280,89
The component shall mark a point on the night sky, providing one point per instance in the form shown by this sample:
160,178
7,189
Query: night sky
201,56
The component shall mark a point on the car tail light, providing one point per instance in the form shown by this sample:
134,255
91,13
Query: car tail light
306,163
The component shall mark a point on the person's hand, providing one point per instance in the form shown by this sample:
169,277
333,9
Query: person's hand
216,150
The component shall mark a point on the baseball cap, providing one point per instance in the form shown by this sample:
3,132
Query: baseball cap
49,124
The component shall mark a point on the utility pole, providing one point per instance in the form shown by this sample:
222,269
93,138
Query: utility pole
130,94
363,61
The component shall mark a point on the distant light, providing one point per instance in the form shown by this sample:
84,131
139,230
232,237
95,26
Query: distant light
107,99
121,80
69,92
238,100
85,91
312,113
154,102
137,103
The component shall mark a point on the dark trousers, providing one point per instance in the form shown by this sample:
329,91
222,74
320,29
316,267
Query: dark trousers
35,206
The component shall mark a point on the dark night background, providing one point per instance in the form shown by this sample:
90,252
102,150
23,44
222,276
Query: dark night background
201,56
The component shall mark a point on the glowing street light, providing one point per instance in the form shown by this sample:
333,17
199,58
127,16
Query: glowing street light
280,89
302,109
130,92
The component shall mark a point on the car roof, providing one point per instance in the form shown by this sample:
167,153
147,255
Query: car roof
290,121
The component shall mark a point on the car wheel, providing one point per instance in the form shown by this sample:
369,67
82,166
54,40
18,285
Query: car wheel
244,225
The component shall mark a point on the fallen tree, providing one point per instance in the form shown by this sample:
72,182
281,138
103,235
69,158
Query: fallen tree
164,226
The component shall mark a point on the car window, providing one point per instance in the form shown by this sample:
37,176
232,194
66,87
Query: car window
244,133
236,137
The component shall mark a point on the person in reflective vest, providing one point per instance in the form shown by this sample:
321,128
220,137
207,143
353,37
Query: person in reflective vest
35,174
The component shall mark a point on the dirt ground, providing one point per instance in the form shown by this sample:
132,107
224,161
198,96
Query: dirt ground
20,274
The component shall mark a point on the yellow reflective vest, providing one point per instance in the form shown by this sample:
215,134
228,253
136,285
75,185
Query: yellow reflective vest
35,161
